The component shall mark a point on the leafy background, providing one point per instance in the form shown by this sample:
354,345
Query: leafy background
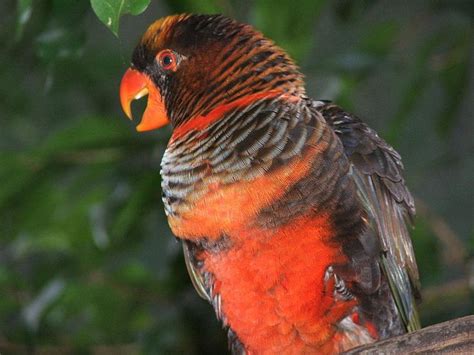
87,262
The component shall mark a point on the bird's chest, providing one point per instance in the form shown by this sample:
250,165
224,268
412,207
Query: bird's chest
201,202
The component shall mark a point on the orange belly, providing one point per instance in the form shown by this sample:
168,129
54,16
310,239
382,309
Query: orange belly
272,288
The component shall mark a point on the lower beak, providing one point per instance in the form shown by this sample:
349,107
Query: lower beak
136,85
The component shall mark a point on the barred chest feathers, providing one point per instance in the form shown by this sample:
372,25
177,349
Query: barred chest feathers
253,146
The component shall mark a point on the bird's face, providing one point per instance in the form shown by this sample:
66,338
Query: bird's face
189,65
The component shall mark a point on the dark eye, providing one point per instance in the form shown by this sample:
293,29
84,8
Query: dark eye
167,60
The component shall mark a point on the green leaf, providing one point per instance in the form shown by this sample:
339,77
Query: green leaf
24,10
110,11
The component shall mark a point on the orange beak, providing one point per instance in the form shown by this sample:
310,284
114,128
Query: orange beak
134,86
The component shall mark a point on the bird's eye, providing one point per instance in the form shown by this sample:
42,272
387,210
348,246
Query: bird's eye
167,60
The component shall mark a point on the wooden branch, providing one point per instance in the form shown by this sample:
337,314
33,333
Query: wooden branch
454,336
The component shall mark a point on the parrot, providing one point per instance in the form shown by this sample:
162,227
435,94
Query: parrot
293,214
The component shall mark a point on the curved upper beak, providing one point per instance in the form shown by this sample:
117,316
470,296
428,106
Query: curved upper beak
135,85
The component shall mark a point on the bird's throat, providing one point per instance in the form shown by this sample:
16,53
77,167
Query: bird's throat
200,122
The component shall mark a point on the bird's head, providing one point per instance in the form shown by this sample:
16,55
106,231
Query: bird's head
189,65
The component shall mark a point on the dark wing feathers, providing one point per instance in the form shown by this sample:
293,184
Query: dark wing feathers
196,275
377,171
203,283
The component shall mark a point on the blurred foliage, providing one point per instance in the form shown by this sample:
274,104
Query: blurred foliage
87,261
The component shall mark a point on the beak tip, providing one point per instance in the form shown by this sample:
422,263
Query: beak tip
126,108
131,82
128,113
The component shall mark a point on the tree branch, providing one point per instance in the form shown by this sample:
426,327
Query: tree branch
454,336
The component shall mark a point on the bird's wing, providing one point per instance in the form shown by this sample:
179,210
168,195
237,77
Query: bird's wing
203,283
377,171
202,287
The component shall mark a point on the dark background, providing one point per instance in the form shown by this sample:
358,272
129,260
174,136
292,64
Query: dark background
87,261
